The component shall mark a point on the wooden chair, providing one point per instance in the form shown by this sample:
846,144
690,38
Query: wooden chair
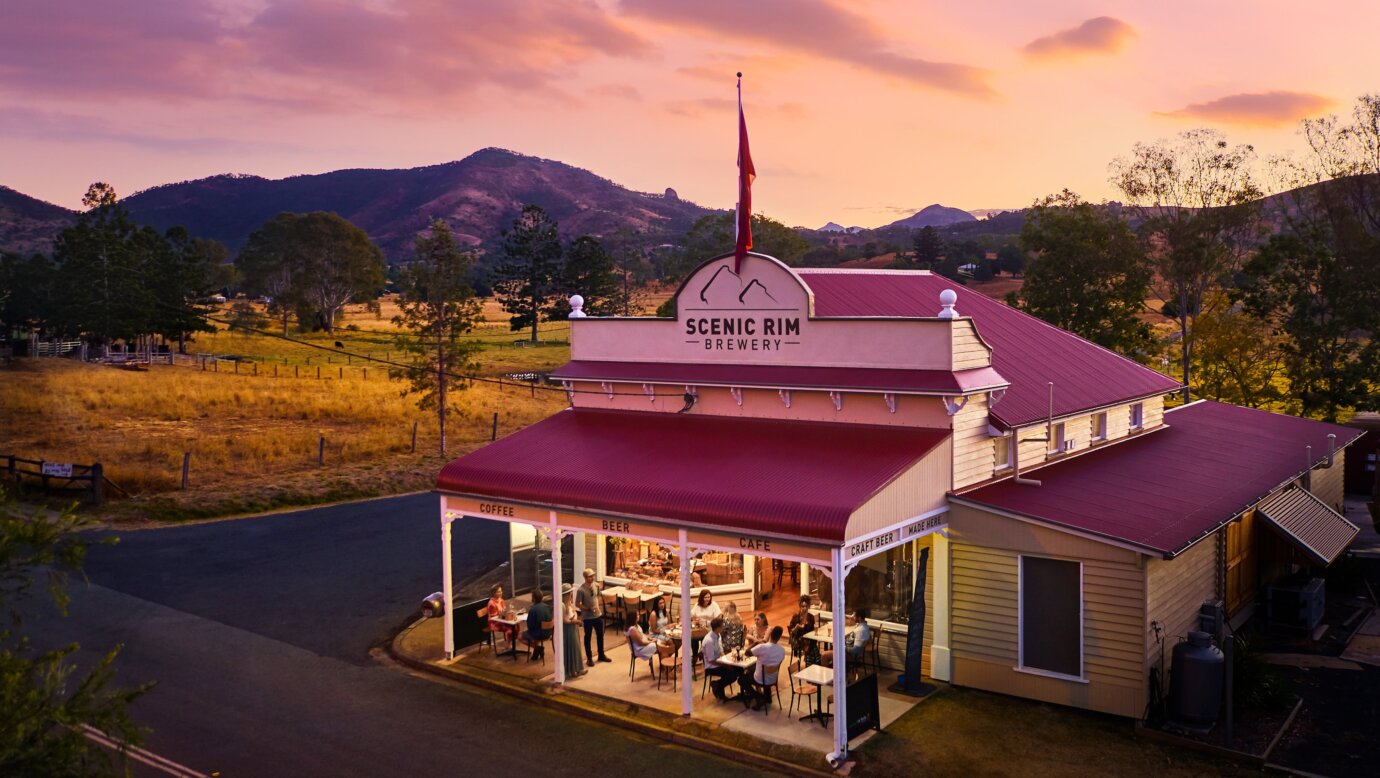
630,603
632,662
546,627
613,608
488,630
801,689
664,652
768,671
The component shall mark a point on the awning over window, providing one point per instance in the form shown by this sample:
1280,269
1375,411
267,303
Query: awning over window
1308,523
788,478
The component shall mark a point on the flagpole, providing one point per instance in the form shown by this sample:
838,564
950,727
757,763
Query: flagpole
738,208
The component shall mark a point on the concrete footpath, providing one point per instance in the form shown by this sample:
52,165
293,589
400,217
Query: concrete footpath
418,647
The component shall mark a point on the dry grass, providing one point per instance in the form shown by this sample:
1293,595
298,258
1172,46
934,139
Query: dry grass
253,438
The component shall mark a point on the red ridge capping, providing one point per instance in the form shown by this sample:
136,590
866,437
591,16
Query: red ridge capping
1165,491
787,478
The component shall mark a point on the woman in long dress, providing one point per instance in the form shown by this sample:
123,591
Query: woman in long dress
574,658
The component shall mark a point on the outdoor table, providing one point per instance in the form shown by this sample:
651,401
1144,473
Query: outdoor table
745,664
828,637
516,623
820,676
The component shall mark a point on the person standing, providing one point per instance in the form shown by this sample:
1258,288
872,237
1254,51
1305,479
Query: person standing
574,660
590,602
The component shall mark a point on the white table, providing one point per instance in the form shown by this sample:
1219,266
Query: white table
820,676
516,623
828,637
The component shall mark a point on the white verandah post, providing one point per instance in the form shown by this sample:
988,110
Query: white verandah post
840,661
558,609
447,587
687,663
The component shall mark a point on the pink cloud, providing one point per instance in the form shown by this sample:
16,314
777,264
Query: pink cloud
815,27
1264,109
415,53
1102,35
616,91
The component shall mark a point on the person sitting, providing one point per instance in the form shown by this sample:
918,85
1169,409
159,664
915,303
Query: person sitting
712,649
802,624
734,635
705,609
759,630
537,615
642,647
497,608
855,642
658,618
769,654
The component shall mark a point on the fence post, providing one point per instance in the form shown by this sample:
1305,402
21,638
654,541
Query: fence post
321,449
256,368
349,359
216,364
365,373
98,483
494,435
414,440
318,371
294,371
186,466
342,372
275,369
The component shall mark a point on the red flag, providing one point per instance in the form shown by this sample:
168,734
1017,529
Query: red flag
746,174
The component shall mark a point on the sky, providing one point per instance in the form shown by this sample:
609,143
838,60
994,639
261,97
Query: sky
860,112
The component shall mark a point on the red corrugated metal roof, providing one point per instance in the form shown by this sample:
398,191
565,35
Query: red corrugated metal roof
1169,488
784,376
795,479
1026,351
1309,523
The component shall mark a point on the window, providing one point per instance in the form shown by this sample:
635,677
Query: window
1137,416
653,564
1099,426
1051,616
1056,438
1003,446
883,583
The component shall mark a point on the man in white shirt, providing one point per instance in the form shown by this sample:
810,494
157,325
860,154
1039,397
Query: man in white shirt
769,654
712,649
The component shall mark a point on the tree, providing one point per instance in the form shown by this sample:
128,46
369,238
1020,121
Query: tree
714,235
183,272
1010,259
103,259
928,247
589,272
26,291
631,272
1090,276
527,277
314,264
1318,279
41,714
244,316
1195,199
1238,359
438,308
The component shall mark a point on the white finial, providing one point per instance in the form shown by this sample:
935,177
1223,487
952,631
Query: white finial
947,298
577,306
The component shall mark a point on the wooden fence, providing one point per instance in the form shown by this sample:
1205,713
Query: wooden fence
57,477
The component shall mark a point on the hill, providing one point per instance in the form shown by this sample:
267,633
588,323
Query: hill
934,216
28,224
478,195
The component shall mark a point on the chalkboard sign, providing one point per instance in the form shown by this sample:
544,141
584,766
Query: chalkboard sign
862,706
469,628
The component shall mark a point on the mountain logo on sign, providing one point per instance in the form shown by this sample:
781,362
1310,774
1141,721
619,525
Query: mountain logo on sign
753,289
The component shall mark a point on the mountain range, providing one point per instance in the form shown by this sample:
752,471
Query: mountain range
934,216
478,196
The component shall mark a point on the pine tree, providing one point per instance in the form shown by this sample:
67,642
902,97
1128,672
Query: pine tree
527,278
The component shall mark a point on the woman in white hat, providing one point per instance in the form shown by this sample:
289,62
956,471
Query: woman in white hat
574,658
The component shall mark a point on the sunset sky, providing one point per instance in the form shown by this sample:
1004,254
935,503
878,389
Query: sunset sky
859,112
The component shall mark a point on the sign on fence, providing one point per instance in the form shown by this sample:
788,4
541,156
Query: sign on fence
59,469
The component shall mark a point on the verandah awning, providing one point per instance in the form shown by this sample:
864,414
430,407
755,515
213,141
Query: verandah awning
786,478
1308,523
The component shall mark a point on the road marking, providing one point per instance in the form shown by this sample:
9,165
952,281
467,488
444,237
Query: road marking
143,756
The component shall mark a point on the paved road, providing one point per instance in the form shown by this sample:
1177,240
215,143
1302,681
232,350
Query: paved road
258,632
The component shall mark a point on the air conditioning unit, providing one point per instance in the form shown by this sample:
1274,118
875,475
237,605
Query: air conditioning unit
1296,604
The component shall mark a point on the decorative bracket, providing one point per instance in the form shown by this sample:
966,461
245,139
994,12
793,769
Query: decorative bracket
569,392
890,400
785,395
737,395
693,391
651,392
607,387
955,404
995,396
837,397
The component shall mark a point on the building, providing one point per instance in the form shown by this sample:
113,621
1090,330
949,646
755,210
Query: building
919,450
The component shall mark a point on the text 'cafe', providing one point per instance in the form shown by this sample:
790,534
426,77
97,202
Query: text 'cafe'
1011,506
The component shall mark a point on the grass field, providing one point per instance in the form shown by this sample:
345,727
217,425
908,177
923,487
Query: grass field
253,437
